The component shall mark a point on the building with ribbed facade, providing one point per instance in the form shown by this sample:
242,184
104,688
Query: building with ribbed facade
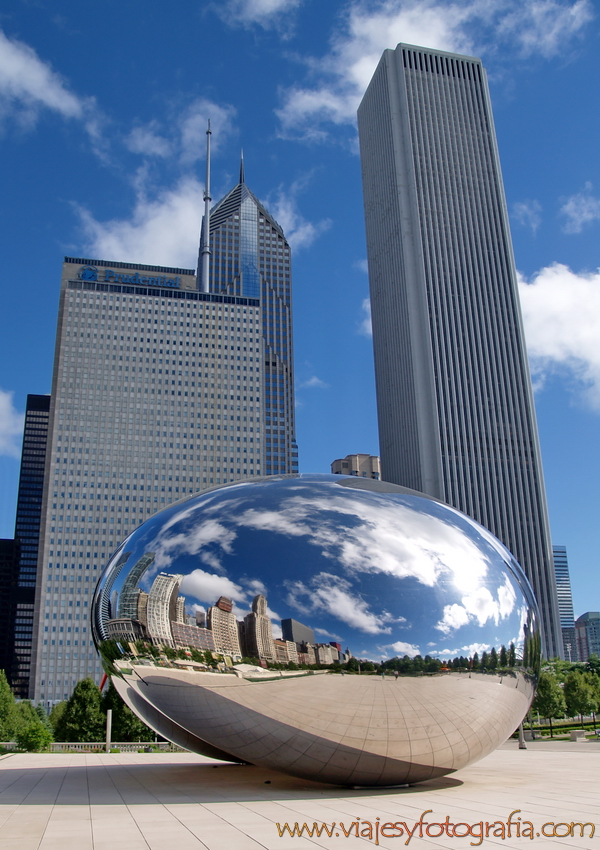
565,602
221,621
258,634
163,606
454,397
159,390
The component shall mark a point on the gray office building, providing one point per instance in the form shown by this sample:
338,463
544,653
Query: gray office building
297,632
455,405
565,602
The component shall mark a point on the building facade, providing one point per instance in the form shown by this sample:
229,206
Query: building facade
19,614
258,633
587,630
159,390
454,396
364,466
221,621
251,257
565,602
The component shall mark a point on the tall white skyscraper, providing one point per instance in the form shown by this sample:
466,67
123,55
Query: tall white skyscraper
454,397
159,390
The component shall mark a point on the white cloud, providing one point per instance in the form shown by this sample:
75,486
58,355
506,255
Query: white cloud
28,85
528,214
561,314
332,594
164,230
400,648
313,382
299,232
365,326
525,27
266,13
208,587
11,426
580,209
148,141
194,122
479,605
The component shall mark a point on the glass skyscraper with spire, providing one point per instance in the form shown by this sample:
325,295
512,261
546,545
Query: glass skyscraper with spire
250,257
454,396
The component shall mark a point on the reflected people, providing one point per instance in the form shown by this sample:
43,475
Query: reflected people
331,627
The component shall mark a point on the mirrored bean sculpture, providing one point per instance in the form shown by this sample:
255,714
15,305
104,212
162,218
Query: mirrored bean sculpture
335,628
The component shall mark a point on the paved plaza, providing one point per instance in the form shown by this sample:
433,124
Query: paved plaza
183,801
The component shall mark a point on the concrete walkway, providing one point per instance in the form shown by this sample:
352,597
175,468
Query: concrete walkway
182,801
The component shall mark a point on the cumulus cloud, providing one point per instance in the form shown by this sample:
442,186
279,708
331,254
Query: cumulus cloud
333,594
194,122
299,232
528,27
365,326
479,605
399,647
469,650
561,314
11,426
28,85
313,382
580,209
148,141
528,214
269,14
162,230
208,587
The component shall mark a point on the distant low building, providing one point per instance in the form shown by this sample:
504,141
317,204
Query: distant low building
185,634
125,629
587,630
363,466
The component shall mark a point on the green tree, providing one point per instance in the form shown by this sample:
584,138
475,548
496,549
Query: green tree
9,714
579,695
56,714
512,655
549,699
34,737
126,726
503,657
83,718
493,659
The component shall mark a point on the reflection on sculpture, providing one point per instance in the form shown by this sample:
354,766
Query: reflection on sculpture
334,628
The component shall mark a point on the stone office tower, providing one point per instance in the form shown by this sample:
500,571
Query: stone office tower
159,390
454,397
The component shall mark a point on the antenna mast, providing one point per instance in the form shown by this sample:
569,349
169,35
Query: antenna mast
207,199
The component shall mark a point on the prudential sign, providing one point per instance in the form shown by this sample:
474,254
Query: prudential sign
92,273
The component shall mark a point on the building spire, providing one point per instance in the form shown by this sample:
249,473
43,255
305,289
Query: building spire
205,253
242,177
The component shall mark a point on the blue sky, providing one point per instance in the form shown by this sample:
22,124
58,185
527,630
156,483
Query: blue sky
103,107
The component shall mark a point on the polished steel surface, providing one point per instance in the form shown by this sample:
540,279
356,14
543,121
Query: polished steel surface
188,617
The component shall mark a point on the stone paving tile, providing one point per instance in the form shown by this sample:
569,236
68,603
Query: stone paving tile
186,802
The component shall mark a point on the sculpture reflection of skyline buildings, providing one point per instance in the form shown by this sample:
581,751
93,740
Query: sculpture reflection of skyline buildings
187,386
387,572
160,617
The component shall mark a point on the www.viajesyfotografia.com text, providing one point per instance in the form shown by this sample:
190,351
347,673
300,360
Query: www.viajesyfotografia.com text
372,830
